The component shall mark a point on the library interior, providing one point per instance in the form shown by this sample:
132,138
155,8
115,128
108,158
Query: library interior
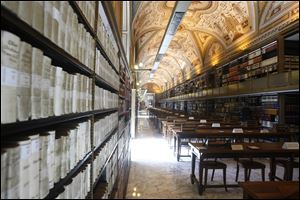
149,99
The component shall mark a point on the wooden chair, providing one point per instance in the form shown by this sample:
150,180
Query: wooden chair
288,168
213,164
248,165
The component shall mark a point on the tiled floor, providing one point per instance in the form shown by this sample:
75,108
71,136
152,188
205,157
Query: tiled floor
155,173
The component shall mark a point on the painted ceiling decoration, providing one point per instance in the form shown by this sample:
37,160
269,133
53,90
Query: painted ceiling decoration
209,31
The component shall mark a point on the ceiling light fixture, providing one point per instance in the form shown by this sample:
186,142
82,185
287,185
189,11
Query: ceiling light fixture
175,19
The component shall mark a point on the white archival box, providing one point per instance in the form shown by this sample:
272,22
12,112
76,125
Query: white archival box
191,118
203,121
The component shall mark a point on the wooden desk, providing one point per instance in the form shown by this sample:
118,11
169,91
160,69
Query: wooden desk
270,190
266,150
224,133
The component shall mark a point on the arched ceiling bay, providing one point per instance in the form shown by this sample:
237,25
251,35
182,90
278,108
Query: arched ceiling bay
209,31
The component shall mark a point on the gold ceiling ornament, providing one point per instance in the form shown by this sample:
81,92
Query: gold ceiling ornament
209,32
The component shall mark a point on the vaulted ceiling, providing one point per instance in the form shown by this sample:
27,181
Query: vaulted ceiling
209,31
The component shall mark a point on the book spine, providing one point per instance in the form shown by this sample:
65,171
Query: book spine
45,97
51,158
36,82
43,170
13,185
25,11
38,16
25,169
4,171
34,183
10,49
24,82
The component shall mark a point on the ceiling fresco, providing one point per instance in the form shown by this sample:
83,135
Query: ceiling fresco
209,31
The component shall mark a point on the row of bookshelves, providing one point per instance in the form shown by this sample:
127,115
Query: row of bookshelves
259,63
68,35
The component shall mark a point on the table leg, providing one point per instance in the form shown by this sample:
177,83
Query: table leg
272,169
193,167
200,186
290,170
178,148
174,146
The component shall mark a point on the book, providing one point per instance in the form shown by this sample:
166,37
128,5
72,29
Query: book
4,167
45,97
63,8
215,125
34,177
51,90
57,156
10,49
51,158
66,91
74,93
36,82
25,168
290,145
58,90
48,19
43,168
25,11
13,170
11,5
55,29
237,147
24,82
237,130
38,16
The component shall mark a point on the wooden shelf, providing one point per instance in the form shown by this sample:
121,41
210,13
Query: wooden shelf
123,113
102,51
82,19
105,85
104,166
108,9
33,125
57,186
11,22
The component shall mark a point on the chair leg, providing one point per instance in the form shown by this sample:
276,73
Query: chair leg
246,172
237,172
212,176
249,174
263,174
205,178
224,179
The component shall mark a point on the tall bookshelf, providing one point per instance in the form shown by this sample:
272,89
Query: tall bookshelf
100,60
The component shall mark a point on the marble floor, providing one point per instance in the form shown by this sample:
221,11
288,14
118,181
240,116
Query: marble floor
155,173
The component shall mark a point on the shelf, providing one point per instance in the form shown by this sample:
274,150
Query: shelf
32,125
82,19
102,51
122,97
57,186
108,136
123,113
122,80
109,12
103,84
104,166
12,23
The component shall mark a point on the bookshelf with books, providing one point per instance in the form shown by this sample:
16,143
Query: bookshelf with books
56,109
245,74
291,108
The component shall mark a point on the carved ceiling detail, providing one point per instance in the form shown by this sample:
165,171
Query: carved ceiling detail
209,31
